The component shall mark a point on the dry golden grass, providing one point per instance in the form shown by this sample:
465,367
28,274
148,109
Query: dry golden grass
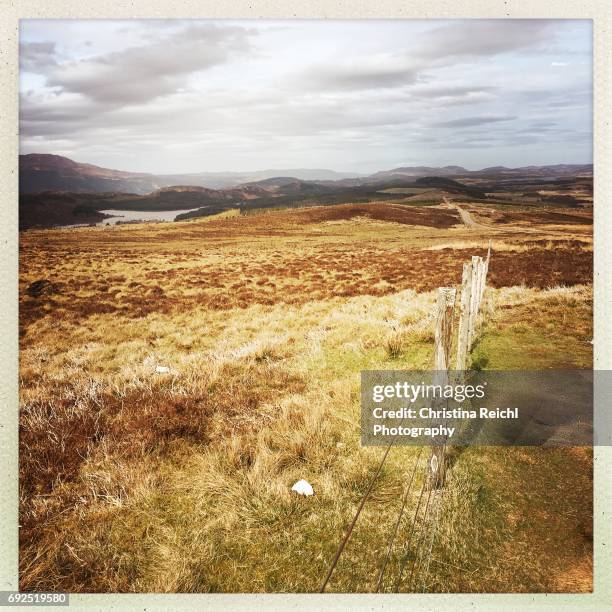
298,257
133,480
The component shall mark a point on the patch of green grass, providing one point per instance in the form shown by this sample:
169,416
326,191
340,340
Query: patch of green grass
520,346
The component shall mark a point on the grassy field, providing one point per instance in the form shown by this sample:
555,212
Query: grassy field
137,480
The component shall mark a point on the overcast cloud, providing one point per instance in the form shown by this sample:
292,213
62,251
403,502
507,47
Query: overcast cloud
188,96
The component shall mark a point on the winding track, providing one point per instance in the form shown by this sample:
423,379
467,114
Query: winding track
466,217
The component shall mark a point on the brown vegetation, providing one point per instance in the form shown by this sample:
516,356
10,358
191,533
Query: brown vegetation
133,479
198,265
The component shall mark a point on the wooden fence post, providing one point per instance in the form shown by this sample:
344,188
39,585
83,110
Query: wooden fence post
444,326
486,270
479,286
464,317
442,350
473,284
473,302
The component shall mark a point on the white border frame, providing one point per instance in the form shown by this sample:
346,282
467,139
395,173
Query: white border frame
13,10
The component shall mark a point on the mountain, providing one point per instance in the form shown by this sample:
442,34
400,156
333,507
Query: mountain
554,171
290,185
551,171
449,185
55,190
416,171
180,197
44,172
303,174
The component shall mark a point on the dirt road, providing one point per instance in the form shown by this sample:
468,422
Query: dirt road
466,217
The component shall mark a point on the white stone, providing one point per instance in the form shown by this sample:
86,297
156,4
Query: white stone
162,369
303,487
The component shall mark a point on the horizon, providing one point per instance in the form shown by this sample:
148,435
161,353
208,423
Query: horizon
183,97
364,174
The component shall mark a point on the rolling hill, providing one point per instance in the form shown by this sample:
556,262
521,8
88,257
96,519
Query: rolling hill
55,190
45,172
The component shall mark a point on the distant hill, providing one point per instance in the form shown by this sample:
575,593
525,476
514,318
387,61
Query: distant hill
416,171
187,196
42,172
50,208
449,185
556,170
45,172
302,174
553,171
55,190
289,185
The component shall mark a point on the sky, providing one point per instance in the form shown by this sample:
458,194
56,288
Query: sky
169,96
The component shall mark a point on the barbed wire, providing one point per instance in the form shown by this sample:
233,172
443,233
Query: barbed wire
349,531
397,524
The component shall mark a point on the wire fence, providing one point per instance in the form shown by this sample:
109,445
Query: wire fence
415,554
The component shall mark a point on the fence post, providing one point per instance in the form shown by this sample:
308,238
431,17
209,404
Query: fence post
474,300
473,285
445,307
486,270
464,316
481,273
442,349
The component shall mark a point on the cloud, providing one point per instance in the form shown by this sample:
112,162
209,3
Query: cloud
34,56
362,74
142,73
442,46
473,121
483,38
56,114
449,91
448,95
540,127
187,96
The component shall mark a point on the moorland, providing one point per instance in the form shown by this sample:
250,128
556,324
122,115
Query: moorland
177,378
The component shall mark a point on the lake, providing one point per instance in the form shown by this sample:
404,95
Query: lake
141,215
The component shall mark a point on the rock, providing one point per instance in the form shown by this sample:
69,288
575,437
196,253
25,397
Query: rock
303,487
162,369
40,287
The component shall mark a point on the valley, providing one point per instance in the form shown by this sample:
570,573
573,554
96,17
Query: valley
52,196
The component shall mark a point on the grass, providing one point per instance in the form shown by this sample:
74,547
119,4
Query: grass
134,480
525,327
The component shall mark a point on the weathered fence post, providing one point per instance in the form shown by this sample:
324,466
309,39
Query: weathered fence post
486,271
481,280
473,300
473,284
464,317
444,326
442,349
